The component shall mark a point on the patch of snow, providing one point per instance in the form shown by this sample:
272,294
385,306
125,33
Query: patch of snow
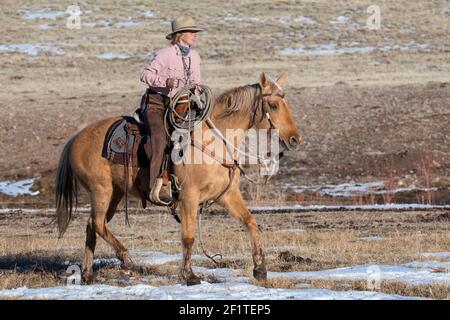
391,206
100,23
331,49
444,255
128,24
171,241
222,274
349,189
324,50
149,14
16,188
235,18
285,20
405,47
89,24
352,189
157,257
429,265
234,290
233,285
45,27
30,49
106,262
291,230
340,19
305,19
43,14
112,56
370,238
404,273
146,56
31,211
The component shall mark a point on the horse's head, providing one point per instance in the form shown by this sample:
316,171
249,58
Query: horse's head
276,113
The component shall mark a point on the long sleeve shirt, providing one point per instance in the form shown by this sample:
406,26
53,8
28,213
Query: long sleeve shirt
168,63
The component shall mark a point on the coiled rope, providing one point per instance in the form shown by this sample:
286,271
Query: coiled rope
194,116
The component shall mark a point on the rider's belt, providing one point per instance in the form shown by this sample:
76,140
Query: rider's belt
164,99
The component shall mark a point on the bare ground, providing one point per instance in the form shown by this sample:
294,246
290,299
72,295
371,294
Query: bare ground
381,115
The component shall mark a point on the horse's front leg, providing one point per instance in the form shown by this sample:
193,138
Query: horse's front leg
235,205
189,207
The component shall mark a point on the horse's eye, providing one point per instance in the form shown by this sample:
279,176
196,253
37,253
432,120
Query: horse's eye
273,106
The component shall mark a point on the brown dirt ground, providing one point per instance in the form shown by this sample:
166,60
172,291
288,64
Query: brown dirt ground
364,117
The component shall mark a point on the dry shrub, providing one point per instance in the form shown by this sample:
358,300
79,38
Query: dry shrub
277,283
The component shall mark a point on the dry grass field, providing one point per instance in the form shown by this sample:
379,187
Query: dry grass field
372,105
32,256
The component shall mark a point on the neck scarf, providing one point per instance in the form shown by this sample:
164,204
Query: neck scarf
184,50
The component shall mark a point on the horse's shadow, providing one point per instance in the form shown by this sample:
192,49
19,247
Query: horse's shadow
61,266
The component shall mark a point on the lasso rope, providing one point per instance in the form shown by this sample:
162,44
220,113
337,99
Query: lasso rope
192,117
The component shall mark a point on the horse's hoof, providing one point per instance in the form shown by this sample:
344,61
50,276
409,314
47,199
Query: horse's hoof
260,272
193,280
125,266
87,277
131,268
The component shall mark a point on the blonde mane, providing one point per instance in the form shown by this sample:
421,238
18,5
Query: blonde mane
239,99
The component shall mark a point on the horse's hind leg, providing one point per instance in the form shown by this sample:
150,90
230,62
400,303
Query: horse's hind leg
235,205
91,239
104,205
121,251
115,200
100,202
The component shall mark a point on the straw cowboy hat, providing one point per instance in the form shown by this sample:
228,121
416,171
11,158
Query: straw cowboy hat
183,24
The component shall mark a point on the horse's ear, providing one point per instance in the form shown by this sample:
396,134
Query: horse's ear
281,79
264,80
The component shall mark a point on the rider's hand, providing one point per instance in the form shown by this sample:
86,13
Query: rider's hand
198,88
172,82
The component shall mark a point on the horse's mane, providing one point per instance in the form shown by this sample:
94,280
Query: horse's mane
238,99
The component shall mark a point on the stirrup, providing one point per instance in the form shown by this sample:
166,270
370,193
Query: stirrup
154,194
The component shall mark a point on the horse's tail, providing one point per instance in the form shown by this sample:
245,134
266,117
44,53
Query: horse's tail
66,189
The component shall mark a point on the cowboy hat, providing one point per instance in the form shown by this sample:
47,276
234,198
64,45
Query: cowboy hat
183,24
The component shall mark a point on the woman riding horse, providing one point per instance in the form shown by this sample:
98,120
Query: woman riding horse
172,69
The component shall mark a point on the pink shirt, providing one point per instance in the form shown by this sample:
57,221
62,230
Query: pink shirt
168,63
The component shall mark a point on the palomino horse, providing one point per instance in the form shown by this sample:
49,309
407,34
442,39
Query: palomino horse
262,105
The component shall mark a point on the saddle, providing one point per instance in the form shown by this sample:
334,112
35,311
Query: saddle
124,143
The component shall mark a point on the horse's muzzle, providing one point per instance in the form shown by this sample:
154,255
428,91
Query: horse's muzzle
294,142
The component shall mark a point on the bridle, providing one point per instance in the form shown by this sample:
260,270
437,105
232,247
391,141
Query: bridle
266,115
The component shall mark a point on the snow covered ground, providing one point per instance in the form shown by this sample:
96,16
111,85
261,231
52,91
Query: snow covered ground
234,284
389,206
352,189
233,290
15,188
275,208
